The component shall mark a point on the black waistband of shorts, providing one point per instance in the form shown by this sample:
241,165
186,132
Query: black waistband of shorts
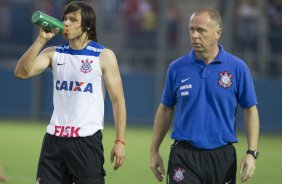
98,133
188,145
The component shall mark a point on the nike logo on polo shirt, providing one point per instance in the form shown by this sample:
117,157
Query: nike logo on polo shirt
184,80
228,181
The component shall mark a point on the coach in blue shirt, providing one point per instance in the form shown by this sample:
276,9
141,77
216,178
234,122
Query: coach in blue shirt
204,87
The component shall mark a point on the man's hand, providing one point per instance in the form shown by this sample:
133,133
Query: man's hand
3,178
248,167
157,166
118,155
48,35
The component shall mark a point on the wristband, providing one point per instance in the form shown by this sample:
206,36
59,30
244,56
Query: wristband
119,141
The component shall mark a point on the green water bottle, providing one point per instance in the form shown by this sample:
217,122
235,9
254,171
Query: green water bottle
47,22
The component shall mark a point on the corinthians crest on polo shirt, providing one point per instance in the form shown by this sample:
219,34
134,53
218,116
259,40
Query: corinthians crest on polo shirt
86,66
225,79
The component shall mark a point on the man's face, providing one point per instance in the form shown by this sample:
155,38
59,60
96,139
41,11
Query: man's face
72,23
204,33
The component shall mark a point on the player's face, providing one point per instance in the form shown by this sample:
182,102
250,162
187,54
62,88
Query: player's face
72,23
204,33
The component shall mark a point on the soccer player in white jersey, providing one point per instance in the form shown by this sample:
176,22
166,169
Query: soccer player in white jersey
83,70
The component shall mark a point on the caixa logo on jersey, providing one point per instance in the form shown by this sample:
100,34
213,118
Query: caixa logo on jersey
74,86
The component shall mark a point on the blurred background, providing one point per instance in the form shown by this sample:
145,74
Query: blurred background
146,35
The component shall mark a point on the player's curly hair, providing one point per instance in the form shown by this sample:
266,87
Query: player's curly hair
88,17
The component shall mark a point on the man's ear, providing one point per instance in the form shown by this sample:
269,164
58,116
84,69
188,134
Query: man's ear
218,33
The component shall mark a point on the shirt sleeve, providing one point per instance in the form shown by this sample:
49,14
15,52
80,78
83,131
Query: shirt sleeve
246,90
168,96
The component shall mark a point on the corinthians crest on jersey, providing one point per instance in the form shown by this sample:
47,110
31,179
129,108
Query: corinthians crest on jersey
225,79
86,66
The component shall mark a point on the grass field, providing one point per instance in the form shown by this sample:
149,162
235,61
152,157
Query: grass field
20,146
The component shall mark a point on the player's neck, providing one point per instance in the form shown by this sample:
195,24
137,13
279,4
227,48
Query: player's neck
79,43
208,56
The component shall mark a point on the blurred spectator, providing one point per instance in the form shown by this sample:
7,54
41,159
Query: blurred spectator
148,9
5,22
274,15
248,31
46,6
173,24
132,22
111,13
139,18
140,23
149,32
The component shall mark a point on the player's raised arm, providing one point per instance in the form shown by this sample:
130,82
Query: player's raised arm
32,61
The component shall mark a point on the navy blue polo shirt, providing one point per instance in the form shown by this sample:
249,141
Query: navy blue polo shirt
205,98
